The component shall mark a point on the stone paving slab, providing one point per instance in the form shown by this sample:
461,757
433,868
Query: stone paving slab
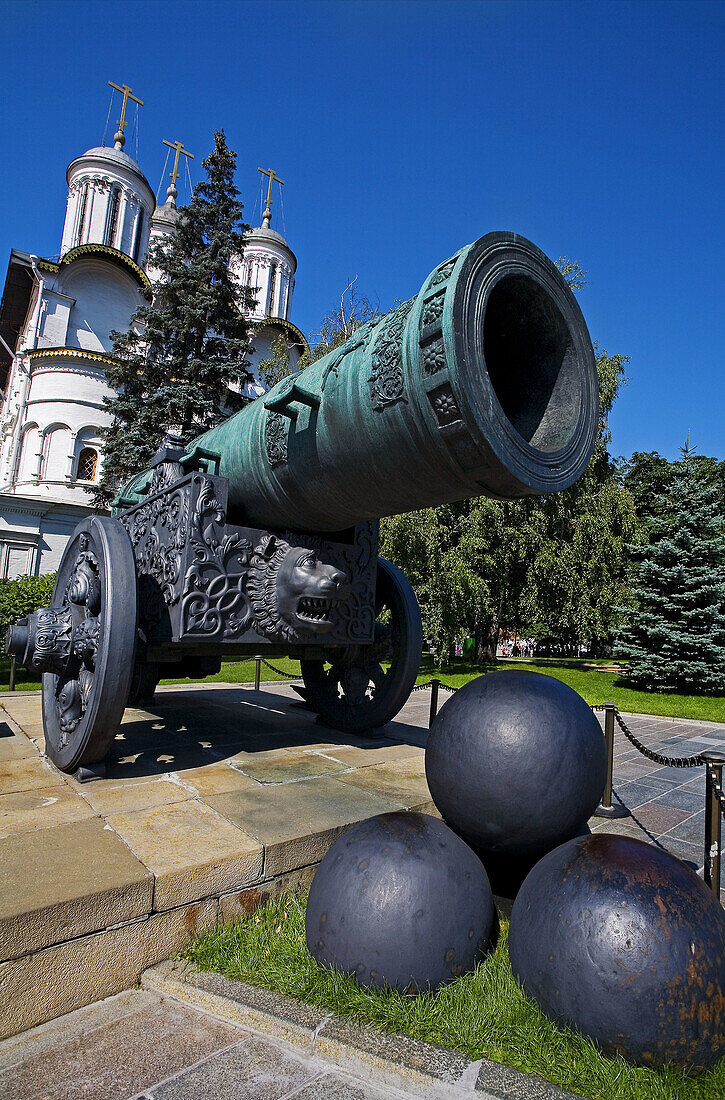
212,794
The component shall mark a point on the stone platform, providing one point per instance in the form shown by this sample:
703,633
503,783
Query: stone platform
215,798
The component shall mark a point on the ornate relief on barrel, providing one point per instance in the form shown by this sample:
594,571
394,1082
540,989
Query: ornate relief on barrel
275,438
386,381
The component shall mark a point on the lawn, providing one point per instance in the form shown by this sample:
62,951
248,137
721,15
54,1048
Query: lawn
592,685
481,1015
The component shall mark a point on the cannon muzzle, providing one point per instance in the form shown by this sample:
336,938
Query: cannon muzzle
484,383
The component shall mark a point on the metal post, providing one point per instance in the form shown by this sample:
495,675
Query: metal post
606,807
434,685
11,685
714,761
257,672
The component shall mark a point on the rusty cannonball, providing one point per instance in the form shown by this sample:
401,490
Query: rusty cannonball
516,763
399,900
622,941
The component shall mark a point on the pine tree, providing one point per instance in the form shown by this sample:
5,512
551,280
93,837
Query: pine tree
174,367
675,635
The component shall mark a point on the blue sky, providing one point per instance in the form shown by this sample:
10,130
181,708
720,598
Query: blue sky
405,130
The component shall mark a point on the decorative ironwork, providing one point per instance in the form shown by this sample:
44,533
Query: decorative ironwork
444,405
433,310
275,437
292,592
433,357
386,381
214,602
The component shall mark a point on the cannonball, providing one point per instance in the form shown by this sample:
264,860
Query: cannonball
516,763
622,941
399,900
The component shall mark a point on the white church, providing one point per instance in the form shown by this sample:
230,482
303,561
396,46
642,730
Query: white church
56,317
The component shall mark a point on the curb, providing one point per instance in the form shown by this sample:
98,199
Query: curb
414,1067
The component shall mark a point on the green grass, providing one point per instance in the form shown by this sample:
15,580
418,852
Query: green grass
481,1015
592,685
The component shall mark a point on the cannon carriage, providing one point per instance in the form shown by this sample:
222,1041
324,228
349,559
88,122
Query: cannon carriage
261,536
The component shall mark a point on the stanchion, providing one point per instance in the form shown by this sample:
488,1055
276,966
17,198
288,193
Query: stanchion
434,685
714,761
11,684
257,672
606,807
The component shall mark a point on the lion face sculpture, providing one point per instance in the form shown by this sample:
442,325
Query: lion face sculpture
291,591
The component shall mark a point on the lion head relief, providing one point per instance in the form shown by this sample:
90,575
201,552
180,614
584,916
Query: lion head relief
291,591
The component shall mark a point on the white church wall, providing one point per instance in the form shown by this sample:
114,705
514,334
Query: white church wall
55,316
105,299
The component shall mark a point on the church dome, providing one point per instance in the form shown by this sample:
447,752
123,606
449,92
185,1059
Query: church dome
110,202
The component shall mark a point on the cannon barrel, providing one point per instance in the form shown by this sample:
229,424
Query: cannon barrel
483,383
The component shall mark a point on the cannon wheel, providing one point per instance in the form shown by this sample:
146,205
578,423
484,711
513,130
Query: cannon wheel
82,709
353,692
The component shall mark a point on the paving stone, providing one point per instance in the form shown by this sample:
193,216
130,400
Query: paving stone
382,753
216,779
403,780
297,822
637,793
683,799
658,818
250,1070
287,766
41,808
65,882
59,979
119,1057
26,773
331,1086
108,799
15,746
692,829
676,775
192,851
689,853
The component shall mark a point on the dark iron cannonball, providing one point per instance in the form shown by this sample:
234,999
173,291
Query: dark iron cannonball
624,942
400,900
516,763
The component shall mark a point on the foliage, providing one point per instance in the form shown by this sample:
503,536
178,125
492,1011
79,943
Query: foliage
339,324
484,1014
23,596
675,634
187,346
277,366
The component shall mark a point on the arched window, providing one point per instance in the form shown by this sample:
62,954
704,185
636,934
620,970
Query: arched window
137,240
87,464
82,214
113,215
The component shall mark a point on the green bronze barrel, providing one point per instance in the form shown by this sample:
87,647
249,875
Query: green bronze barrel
483,383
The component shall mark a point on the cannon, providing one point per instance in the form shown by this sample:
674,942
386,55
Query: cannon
261,536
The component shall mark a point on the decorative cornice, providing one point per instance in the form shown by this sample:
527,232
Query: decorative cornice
71,353
48,265
114,254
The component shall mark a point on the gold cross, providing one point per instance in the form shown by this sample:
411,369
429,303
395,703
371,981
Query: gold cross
269,172
127,94
179,149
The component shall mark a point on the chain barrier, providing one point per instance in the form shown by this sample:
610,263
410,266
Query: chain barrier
665,761
281,672
422,687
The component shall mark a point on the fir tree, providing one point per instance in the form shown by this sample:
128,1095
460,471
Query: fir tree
174,367
675,635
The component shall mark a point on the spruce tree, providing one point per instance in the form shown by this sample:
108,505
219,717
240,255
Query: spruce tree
674,636
174,367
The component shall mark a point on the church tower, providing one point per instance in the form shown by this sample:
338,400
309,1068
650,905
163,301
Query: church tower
267,268
56,322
